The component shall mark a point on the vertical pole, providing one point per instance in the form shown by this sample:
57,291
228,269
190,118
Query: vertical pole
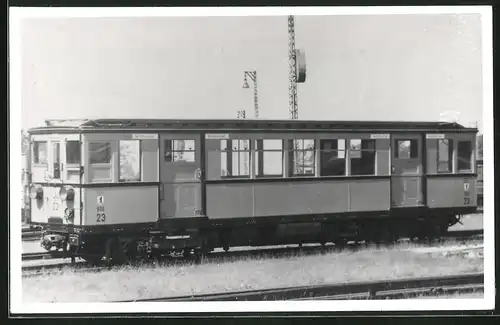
242,115
292,80
255,97
292,65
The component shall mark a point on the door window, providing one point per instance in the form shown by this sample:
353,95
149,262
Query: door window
56,154
406,149
179,150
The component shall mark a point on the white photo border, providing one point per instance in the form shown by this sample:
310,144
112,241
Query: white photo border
15,244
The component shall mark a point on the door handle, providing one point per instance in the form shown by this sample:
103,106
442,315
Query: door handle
197,173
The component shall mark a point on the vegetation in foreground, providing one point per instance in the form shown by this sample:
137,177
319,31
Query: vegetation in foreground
241,273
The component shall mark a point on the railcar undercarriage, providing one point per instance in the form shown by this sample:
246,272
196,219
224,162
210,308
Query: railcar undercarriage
119,248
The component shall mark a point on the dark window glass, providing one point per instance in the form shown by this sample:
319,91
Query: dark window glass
362,157
332,157
407,149
464,155
73,152
100,152
56,157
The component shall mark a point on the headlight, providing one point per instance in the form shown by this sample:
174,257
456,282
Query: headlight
36,192
67,193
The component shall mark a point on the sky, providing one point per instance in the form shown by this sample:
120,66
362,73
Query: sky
370,67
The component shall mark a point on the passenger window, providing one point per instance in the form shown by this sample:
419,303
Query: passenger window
464,153
235,158
179,150
303,157
100,152
40,152
269,158
362,157
73,152
445,155
130,160
332,157
407,149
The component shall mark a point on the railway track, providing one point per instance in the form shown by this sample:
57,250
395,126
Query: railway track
392,289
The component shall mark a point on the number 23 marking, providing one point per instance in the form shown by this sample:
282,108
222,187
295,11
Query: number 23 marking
101,217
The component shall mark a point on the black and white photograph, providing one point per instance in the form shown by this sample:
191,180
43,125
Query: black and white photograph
251,159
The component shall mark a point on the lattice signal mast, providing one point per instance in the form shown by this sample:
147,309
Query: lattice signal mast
297,69
292,66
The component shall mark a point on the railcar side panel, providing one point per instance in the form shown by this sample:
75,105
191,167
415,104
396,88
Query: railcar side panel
369,195
120,205
181,200
233,200
450,192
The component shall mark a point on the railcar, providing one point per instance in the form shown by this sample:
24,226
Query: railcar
124,188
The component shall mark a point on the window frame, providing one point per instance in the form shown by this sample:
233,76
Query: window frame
110,148
322,151
79,153
361,151
450,156
171,150
292,157
412,141
56,165
36,153
470,158
228,152
260,151
140,178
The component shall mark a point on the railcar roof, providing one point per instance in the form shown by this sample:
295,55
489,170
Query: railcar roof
246,124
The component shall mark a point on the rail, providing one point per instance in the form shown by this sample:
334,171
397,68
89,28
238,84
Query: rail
370,290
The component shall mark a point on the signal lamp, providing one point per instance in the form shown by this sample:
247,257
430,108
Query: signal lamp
36,192
67,193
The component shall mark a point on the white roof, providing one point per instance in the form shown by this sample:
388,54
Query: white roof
68,123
